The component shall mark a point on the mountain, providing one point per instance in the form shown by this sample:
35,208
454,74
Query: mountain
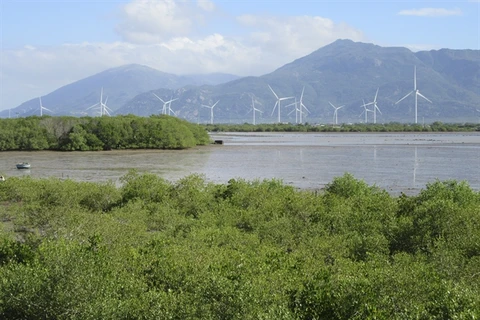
343,73
119,85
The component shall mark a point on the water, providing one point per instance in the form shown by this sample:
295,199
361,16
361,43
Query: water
393,161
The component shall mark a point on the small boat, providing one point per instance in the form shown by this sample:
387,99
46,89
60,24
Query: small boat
23,165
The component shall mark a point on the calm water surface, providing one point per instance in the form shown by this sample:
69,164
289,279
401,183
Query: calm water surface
395,162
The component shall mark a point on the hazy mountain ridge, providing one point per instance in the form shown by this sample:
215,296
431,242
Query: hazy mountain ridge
119,84
343,73
348,73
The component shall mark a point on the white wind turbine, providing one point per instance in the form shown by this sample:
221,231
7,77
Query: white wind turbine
253,110
375,107
365,111
302,106
104,110
41,108
299,107
335,114
277,103
211,110
416,91
167,105
170,106
295,108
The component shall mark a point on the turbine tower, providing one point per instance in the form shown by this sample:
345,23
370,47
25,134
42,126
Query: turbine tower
335,114
365,111
416,91
302,106
253,110
104,110
279,100
296,109
375,107
166,105
41,108
211,110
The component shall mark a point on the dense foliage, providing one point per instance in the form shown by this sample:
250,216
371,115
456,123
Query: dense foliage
354,127
99,133
153,249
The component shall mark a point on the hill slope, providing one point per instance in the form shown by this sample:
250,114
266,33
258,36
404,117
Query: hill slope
119,84
343,73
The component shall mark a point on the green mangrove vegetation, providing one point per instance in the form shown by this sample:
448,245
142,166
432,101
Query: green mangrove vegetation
99,133
353,127
191,249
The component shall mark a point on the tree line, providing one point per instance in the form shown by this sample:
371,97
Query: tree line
99,133
355,127
191,249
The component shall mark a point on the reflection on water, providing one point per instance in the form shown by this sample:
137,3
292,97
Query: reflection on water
395,162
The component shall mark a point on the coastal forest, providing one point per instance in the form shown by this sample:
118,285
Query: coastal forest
192,249
99,133
161,132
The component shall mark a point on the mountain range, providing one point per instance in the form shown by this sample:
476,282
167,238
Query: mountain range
343,73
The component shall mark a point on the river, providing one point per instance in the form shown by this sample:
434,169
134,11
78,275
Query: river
397,162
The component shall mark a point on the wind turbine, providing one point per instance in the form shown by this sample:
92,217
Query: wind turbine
375,107
211,110
335,114
170,106
300,107
104,110
365,111
253,110
166,105
296,109
164,108
41,108
416,91
279,100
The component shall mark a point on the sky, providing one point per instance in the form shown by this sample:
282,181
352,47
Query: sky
45,45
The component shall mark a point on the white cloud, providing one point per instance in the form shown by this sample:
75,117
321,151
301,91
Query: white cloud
158,34
431,12
293,37
206,5
154,21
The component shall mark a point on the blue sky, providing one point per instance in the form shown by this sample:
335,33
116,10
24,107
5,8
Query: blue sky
47,44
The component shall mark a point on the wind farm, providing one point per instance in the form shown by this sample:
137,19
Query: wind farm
292,93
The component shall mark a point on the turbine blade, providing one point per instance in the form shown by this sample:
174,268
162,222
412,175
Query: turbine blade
421,95
274,107
404,97
215,103
273,92
376,94
331,104
414,77
92,106
302,105
158,97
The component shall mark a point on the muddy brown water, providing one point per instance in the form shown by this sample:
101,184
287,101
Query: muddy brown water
396,162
